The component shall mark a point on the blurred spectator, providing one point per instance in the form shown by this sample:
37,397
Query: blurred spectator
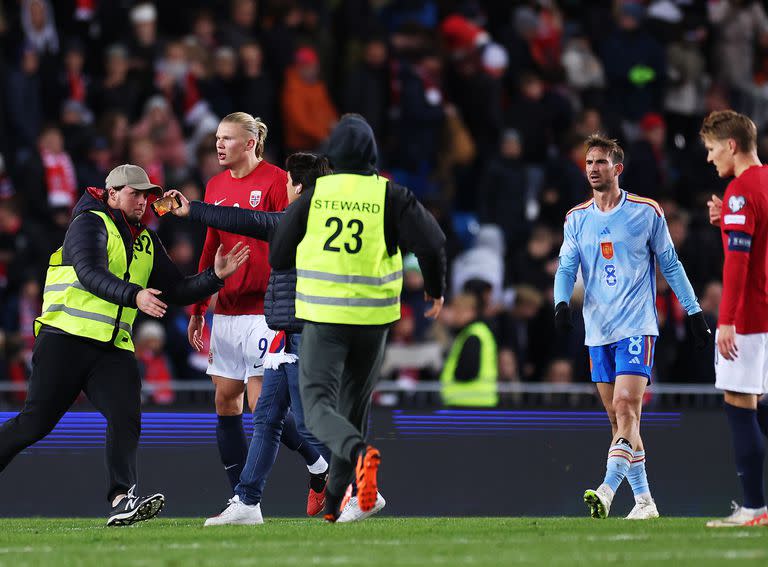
421,115
241,25
502,191
536,264
686,84
74,83
559,371
308,113
583,69
144,46
154,366
93,170
76,130
159,125
40,35
116,92
366,87
221,89
646,163
204,30
7,189
25,107
566,181
538,115
635,67
49,177
470,374
413,296
484,261
737,25
256,92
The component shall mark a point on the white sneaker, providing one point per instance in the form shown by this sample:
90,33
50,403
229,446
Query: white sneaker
353,513
237,513
599,501
741,517
645,509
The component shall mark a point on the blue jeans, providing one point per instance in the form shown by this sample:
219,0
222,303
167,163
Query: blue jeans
279,393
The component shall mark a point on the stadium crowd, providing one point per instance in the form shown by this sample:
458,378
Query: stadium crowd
481,108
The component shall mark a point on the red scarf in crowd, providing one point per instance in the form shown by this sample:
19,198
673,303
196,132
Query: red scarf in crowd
60,180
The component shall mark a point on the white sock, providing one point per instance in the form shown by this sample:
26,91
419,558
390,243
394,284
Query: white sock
319,466
643,498
755,511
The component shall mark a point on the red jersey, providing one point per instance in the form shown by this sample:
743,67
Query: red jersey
744,228
262,190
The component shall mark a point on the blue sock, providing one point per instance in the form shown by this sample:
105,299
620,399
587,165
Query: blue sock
762,415
637,477
619,461
295,442
233,447
749,453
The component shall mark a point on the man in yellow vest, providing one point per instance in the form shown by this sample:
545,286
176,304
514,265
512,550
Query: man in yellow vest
344,238
471,370
109,267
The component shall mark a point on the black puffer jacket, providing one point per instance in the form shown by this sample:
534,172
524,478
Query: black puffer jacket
85,249
280,298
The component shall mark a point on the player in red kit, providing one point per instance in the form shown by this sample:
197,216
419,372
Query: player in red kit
240,337
741,357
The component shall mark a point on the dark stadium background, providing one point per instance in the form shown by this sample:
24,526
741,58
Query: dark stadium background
479,107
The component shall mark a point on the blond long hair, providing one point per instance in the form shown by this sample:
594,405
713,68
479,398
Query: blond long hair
253,125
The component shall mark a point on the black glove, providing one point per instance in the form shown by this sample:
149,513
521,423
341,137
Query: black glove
702,336
563,322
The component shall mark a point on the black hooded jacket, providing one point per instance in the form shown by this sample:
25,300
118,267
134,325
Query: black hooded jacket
85,248
407,224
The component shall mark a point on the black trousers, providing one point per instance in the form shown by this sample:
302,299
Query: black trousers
338,371
62,367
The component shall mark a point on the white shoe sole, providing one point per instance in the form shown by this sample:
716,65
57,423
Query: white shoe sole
357,515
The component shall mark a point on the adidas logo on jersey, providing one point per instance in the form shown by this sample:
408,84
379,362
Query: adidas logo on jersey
634,360
605,232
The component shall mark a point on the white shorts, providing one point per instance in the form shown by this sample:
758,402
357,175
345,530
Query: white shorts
748,373
238,346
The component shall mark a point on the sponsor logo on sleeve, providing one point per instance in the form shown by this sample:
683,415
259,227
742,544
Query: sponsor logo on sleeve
736,203
735,219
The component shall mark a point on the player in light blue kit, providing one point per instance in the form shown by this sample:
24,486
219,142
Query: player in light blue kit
618,238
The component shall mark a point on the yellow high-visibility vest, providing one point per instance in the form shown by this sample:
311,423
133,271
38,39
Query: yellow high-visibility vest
344,273
481,391
68,306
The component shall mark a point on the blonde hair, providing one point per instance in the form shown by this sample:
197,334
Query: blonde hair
725,124
254,126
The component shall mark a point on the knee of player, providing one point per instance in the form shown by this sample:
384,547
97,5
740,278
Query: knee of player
624,407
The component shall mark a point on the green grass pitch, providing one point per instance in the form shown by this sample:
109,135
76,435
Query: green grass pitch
381,541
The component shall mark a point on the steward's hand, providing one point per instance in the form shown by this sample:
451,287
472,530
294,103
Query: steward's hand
437,305
226,265
148,303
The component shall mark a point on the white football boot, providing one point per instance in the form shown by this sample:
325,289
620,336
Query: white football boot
599,501
741,517
645,509
353,513
237,513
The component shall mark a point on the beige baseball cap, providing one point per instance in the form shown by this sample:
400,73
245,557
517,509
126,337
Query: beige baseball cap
132,176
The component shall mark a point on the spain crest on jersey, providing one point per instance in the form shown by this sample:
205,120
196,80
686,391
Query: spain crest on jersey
607,250
255,198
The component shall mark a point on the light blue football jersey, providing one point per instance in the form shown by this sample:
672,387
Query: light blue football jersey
618,251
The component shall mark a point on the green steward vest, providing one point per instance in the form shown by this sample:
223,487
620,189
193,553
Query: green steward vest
68,306
481,391
343,271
